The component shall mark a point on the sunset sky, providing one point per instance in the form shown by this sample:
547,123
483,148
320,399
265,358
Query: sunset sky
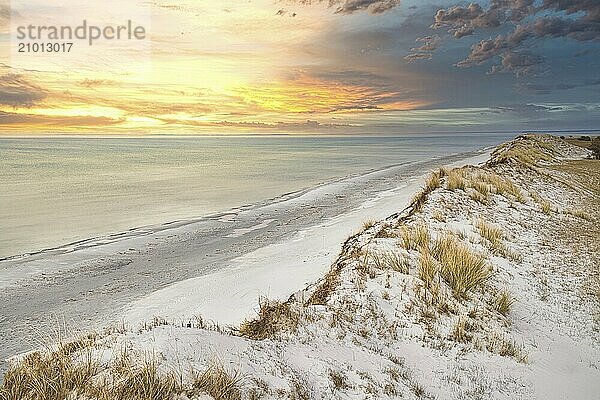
335,66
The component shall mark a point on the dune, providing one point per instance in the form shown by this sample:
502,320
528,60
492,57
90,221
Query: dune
485,283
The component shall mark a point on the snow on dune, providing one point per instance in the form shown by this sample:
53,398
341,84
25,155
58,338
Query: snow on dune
389,317
276,271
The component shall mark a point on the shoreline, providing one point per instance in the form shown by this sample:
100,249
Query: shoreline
91,286
484,283
230,295
141,230
108,188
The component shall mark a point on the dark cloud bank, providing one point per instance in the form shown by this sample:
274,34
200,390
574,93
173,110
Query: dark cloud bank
578,20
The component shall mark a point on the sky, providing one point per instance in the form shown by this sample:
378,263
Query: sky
305,66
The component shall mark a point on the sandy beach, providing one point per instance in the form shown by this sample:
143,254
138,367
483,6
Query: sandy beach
476,280
217,266
300,200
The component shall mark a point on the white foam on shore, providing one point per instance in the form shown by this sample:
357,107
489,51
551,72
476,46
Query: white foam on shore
229,296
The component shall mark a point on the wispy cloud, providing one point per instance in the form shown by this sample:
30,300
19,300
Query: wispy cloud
17,91
352,6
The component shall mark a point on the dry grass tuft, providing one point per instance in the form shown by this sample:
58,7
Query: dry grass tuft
497,184
483,182
338,380
493,236
217,382
478,197
526,150
481,187
438,216
456,179
428,268
74,374
579,214
368,224
503,302
137,380
327,286
392,260
507,348
50,375
273,317
416,238
462,268
462,330
546,207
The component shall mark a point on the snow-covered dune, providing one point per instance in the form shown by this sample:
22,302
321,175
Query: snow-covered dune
485,286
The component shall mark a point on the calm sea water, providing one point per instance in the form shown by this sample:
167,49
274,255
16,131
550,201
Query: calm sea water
58,190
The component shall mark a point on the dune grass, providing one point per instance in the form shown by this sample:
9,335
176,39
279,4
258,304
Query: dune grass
492,234
481,183
526,150
503,302
368,224
496,184
47,376
428,268
456,179
546,207
462,268
326,287
415,238
218,383
135,379
462,330
273,317
72,372
391,260
579,214
500,345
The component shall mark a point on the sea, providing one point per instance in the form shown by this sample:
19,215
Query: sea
59,190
